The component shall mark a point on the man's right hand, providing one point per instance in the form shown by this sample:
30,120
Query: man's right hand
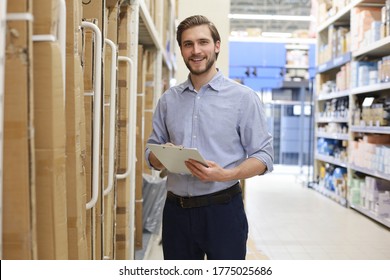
154,160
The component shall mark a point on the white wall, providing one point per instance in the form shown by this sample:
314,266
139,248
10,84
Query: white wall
216,11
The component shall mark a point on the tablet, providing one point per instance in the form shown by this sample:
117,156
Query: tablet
173,157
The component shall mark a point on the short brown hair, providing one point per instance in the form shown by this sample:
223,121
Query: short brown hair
196,21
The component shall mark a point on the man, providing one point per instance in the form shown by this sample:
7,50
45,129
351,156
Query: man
204,213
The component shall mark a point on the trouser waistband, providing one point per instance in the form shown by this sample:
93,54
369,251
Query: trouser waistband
220,197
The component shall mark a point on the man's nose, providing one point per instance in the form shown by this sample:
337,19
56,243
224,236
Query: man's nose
196,48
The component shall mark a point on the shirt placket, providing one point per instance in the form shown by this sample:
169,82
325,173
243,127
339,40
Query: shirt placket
195,133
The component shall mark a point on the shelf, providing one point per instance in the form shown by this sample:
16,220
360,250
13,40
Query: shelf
297,47
327,71
333,95
371,129
329,120
371,88
334,63
378,48
370,172
148,35
371,215
330,194
344,14
305,67
332,160
337,136
273,40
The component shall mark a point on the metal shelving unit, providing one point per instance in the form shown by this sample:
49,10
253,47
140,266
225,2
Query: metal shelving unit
327,71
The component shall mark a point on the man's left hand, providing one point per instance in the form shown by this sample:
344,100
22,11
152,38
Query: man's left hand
213,172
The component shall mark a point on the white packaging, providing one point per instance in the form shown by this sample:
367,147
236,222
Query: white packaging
383,205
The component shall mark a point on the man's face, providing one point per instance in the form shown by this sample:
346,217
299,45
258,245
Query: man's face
198,49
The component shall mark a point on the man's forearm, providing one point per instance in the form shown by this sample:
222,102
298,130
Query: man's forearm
249,168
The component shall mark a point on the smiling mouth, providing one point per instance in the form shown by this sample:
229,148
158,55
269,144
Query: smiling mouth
196,59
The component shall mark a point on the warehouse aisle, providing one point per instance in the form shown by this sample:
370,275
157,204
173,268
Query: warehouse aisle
289,221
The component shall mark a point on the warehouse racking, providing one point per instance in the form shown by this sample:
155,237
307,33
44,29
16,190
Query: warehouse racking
72,186
352,136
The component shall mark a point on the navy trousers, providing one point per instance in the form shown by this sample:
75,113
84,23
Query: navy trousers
218,231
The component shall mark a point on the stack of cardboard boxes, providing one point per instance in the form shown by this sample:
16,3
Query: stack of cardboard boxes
49,129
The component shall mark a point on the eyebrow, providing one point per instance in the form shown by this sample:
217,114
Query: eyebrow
197,40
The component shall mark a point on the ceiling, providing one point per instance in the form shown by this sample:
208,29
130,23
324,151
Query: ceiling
270,7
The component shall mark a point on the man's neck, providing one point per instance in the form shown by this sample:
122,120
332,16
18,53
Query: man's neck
200,80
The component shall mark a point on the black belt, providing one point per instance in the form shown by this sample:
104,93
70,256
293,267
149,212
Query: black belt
220,197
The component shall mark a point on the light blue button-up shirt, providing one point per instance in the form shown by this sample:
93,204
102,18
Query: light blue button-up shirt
225,121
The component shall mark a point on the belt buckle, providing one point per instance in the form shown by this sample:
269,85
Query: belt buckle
182,200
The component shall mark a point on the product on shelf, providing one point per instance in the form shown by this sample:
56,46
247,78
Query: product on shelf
360,73
343,77
372,151
336,108
355,185
339,128
332,147
328,87
384,69
363,18
334,179
377,114
370,192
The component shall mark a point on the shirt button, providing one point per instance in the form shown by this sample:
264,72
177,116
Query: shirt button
194,136
198,97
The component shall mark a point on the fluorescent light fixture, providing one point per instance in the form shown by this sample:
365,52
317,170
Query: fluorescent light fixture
276,34
270,17
297,110
239,33
368,101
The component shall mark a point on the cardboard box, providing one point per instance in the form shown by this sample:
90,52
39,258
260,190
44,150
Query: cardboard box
46,15
361,20
19,240
122,242
109,224
50,135
75,138
377,139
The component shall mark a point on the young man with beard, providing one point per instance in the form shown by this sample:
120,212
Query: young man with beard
204,214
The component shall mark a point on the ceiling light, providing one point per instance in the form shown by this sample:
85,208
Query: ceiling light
276,34
270,17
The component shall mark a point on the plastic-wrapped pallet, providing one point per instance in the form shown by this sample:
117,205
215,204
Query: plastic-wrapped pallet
154,194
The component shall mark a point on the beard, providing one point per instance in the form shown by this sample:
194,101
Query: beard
200,71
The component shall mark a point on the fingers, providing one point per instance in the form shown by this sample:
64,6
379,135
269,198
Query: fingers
169,144
198,170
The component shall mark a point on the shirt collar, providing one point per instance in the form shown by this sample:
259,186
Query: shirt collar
215,82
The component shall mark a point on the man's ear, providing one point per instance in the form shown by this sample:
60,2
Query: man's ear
217,46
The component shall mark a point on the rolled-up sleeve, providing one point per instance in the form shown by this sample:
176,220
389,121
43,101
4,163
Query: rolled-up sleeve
255,136
158,135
